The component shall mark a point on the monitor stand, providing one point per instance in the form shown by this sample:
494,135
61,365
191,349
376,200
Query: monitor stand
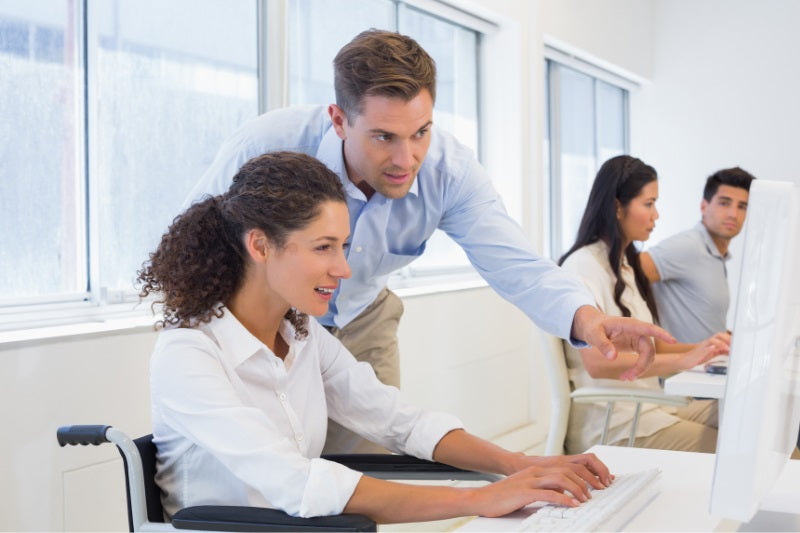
763,521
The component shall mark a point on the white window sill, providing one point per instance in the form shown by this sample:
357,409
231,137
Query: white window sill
47,323
432,284
32,324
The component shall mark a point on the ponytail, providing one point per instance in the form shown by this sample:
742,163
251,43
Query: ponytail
198,264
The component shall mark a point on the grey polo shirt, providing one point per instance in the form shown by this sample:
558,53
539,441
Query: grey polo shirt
693,294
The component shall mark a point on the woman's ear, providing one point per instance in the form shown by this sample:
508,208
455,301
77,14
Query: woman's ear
619,209
257,245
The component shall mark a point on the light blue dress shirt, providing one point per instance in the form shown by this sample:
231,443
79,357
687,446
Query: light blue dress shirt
452,192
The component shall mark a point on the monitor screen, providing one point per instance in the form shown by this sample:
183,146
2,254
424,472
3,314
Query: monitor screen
761,407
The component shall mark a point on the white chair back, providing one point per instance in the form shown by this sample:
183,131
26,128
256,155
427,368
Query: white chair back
558,381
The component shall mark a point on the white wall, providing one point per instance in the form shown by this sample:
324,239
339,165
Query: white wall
723,93
615,31
469,353
98,379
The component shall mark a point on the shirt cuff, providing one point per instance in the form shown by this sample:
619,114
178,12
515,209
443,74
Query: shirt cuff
328,489
577,343
427,433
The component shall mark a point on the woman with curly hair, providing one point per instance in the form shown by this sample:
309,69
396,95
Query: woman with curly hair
620,211
242,382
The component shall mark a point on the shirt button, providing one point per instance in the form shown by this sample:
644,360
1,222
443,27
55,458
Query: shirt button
282,397
299,437
359,249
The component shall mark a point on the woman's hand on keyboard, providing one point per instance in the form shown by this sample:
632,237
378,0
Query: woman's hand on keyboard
555,484
586,466
717,344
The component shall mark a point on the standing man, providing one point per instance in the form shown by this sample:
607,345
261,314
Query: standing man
690,281
404,179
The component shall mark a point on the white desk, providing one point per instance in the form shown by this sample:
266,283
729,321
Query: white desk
696,383
683,499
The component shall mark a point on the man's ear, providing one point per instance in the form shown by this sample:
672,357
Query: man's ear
339,120
703,205
257,245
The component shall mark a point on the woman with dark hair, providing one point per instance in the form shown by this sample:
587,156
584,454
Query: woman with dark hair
620,211
243,383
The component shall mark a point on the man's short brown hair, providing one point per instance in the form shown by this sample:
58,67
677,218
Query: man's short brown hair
383,63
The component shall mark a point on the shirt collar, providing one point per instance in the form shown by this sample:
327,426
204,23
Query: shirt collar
331,154
238,344
709,242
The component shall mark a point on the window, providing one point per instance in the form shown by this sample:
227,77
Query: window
41,192
319,28
587,123
111,110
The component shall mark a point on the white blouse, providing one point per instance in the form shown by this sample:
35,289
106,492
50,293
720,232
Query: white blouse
585,429
236,425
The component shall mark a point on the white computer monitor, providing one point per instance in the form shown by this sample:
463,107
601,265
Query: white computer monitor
761,412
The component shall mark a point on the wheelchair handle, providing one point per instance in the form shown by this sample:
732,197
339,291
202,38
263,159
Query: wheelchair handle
84,435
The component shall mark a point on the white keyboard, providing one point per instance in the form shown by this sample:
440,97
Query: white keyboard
609,509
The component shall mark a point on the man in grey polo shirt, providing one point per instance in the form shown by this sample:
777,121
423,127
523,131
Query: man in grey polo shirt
688,270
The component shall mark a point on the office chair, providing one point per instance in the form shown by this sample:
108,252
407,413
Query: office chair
145,512
561,397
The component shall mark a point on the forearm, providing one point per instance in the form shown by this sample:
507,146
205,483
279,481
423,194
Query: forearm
599,367
464,450
388,502
678,347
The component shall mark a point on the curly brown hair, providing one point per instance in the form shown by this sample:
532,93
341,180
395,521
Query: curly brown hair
385,63
201,260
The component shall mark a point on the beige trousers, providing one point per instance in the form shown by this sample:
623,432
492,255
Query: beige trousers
371,337
695,432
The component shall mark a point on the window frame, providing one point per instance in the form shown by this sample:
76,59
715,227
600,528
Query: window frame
558,52
84,310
